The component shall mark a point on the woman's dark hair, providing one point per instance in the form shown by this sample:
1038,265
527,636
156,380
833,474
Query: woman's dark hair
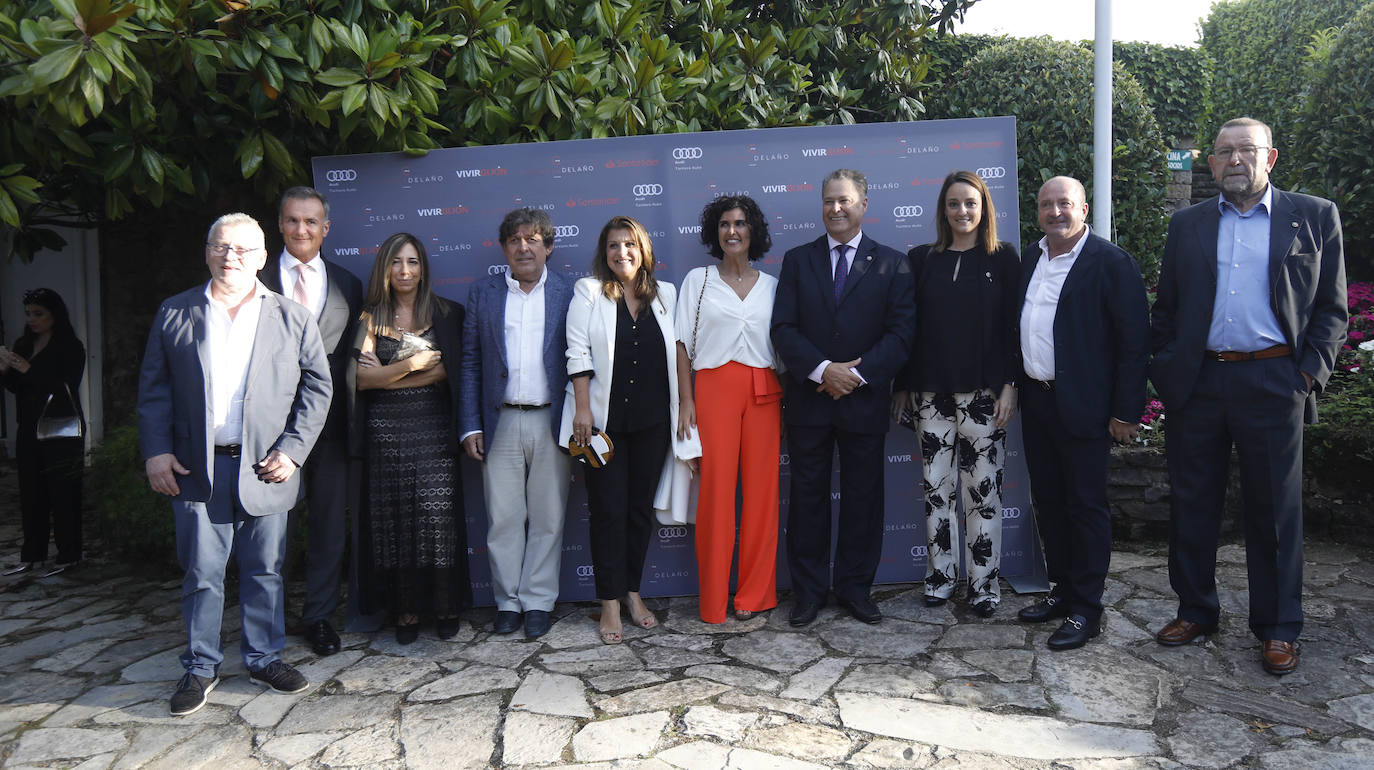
52,302
759,240
381,303
987,225
646,287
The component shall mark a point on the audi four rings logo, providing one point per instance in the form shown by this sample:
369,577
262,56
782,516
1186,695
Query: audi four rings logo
672,532
566,231
341,175
641,190
995,172
584,570
686,153
902,212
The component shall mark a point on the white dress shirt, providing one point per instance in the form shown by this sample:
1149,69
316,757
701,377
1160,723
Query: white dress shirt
731,329
230,342
314,287
1042,303
849,254
527,382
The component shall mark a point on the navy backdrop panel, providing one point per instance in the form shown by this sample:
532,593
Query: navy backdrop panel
454,199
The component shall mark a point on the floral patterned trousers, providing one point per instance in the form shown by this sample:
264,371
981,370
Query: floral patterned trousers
960,442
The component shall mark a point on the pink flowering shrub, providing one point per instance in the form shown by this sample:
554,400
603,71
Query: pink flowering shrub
1360,297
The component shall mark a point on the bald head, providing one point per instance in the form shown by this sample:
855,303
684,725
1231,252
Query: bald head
1062,208
1065,184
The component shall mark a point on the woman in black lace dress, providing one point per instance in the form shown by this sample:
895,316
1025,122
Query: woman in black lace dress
416,530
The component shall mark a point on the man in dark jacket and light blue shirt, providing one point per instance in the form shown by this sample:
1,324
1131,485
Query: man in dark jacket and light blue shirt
1250,315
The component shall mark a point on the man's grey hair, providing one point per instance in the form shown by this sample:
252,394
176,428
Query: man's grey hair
303,192
231,220
1246,122
857,177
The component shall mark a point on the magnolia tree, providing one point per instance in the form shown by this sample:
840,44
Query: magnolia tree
108,106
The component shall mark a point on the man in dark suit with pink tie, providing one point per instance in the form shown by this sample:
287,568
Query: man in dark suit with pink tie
843,322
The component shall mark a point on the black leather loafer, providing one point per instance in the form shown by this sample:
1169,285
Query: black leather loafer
1074,633
863,609
506,622
537,623
1048,608
803,614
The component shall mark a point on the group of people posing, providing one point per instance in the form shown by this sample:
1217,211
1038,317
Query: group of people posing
242,387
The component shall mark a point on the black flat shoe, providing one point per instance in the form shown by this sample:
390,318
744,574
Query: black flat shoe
1046,609
803,614
324,640
407,634
862,609
447,628
537,623
506,622
985,608
934,601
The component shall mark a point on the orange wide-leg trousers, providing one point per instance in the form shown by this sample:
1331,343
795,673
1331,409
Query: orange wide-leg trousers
739,416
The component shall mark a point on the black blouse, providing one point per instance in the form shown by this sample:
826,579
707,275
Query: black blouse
639,379
967,333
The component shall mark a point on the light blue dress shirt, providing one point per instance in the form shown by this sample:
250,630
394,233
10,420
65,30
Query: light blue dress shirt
1242,319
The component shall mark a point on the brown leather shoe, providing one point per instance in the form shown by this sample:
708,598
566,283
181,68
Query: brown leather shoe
1279,658
1180,631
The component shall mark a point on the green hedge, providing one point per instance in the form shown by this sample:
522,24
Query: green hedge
1333,153
1258,47
1047,85
1175,80
133,521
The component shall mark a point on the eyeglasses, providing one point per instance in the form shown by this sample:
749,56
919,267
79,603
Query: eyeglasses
220,249
1248,151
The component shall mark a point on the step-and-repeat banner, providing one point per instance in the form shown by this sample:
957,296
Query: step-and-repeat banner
454,200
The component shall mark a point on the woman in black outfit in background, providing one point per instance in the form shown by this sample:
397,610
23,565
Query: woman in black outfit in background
47,361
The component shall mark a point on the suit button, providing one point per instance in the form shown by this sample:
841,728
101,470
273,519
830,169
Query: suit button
836,335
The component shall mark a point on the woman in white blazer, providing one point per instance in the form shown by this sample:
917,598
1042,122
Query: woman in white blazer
623,381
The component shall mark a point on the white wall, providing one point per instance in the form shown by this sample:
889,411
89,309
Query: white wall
74,273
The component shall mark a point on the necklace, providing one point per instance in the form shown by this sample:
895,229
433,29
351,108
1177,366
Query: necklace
736,278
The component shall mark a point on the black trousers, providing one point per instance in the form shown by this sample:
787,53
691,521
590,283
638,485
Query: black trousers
50,496
1068,477
620,499
1257,406
859,542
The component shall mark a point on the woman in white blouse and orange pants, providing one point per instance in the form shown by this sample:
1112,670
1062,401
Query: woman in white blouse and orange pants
723,316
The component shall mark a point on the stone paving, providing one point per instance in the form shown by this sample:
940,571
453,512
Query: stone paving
89,659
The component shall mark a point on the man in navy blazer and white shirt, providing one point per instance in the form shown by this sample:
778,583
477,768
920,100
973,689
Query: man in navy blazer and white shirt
1084,344
233,392
513,374
334,296
1250,315
843,322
